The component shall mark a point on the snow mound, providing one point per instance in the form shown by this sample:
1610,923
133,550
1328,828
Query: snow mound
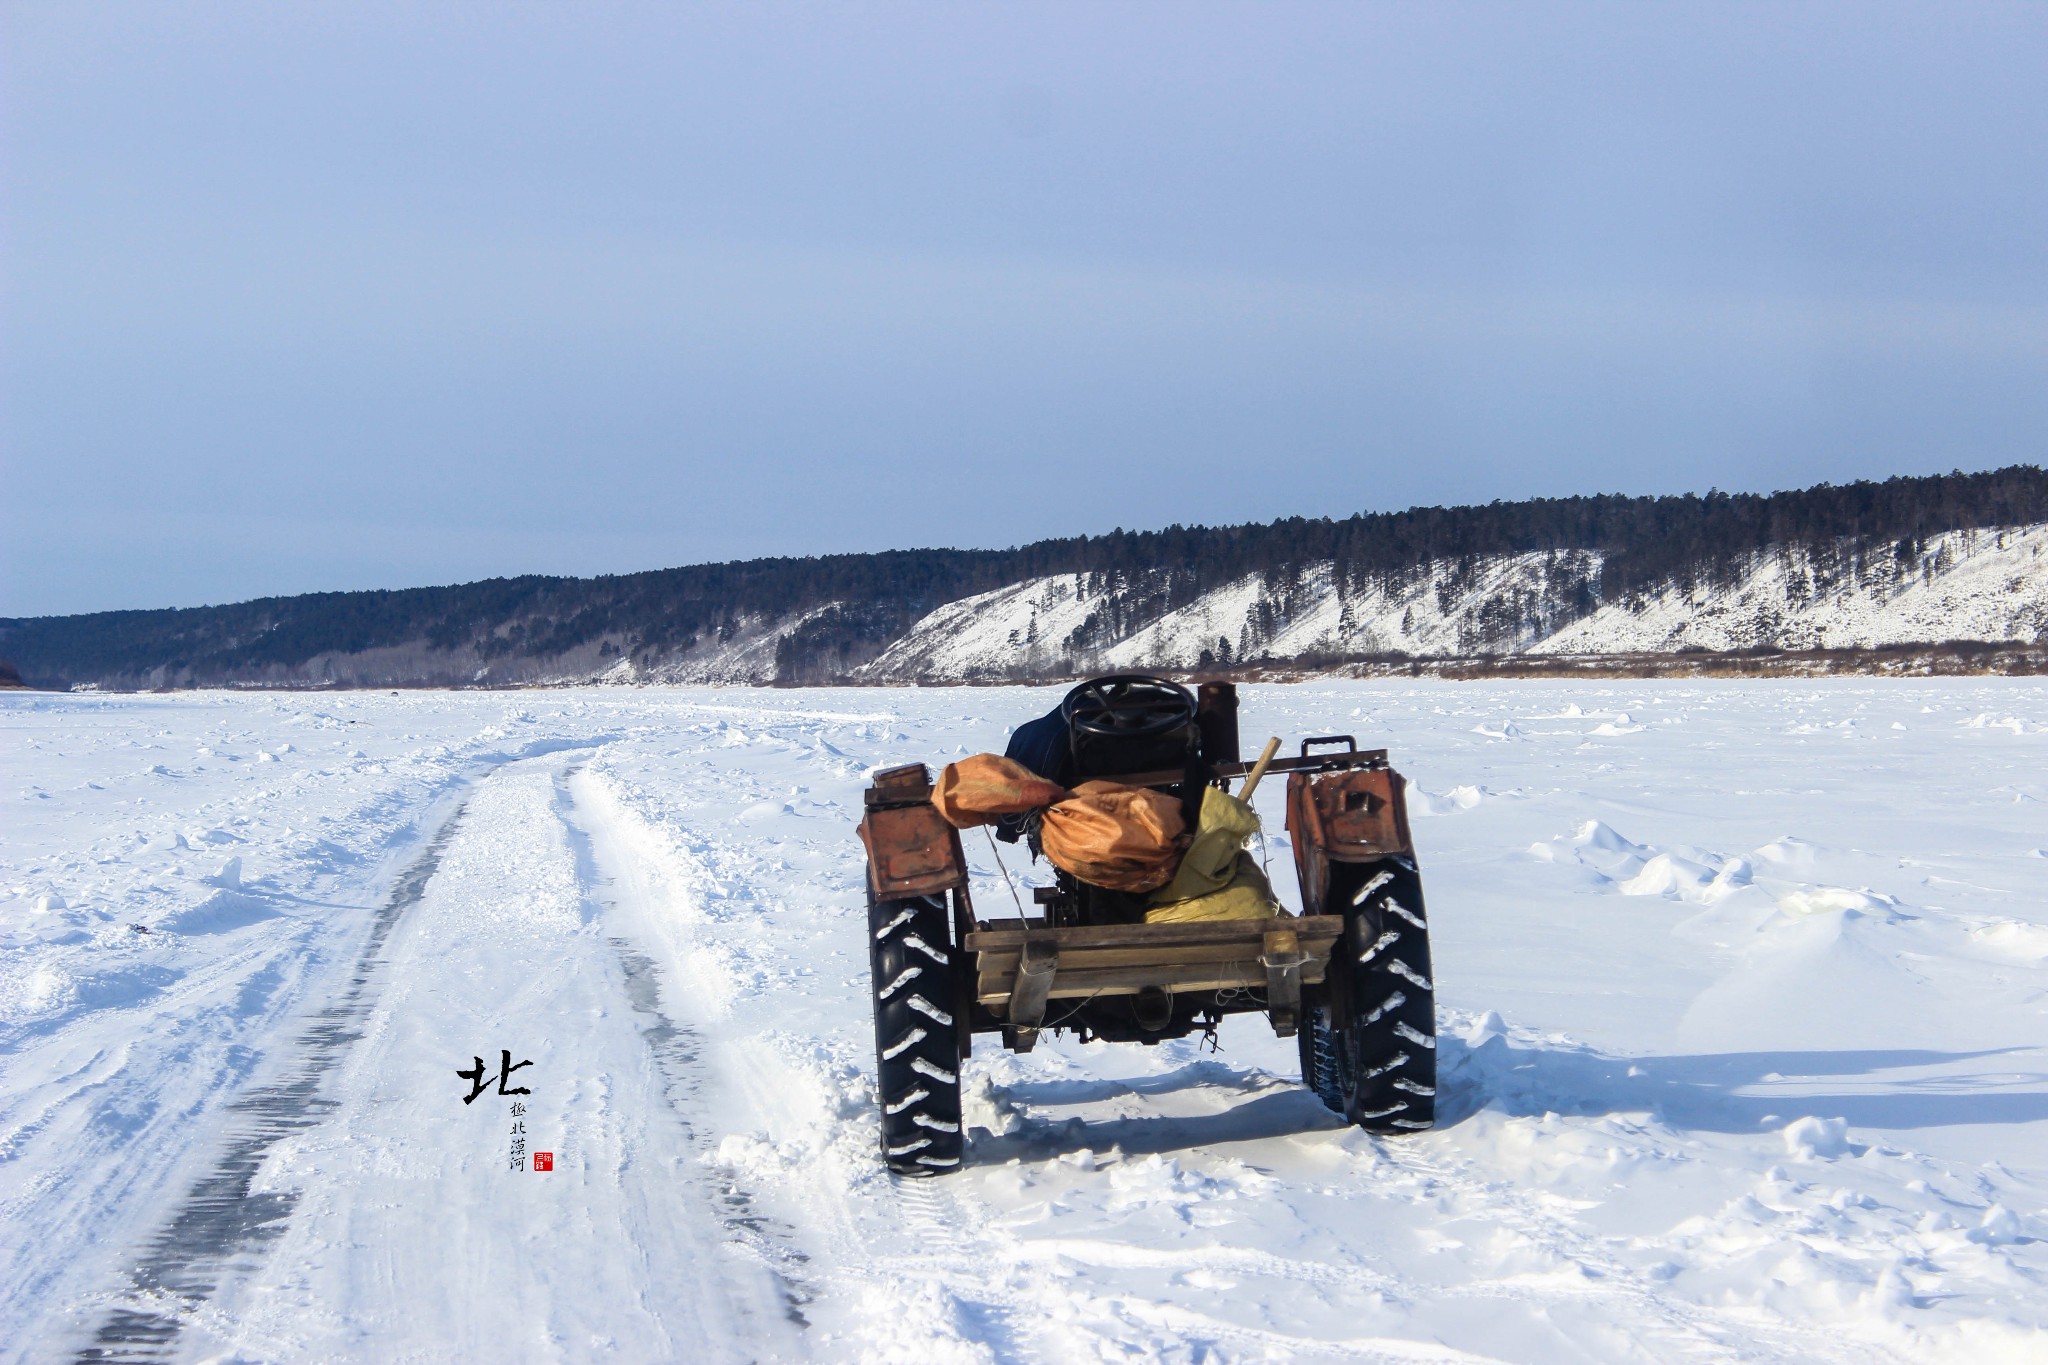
1669,875
1618,863
1825,900
1597,836
1983,721
1999,1227
2014,940
1461,798
1816,1139
1788,852
221,913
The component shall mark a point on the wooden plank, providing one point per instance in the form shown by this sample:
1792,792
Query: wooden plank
1123,959
1135,935
1250,931
1074,958
993,989
1071,985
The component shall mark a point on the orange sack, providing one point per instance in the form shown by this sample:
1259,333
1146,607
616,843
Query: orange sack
976,790
1124,838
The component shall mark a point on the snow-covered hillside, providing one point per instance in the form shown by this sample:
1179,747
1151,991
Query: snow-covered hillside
1912,566
1745,1049
1965,585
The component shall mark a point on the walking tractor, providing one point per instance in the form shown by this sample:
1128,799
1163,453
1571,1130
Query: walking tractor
1159,923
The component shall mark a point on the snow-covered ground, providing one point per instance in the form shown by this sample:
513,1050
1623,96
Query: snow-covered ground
1745,993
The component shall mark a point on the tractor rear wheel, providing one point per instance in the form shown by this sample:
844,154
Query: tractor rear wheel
917,1050
1368,1041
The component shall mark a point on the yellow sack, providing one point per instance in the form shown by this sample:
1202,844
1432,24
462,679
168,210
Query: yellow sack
1248,895
1217,879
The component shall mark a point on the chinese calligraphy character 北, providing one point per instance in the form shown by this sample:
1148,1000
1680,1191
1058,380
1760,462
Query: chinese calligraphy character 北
475,1076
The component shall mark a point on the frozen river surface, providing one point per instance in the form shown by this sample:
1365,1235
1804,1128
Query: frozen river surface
1744,993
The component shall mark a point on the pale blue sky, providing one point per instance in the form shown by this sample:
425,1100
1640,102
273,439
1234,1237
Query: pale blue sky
332,296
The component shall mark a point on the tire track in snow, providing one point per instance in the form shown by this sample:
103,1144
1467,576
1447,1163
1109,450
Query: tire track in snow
936,1216
678,1049
220,1220
410,1237
923,1284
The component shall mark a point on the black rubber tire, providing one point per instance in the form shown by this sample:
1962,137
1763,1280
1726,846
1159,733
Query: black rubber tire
1368,1037
1322,1064
917,1050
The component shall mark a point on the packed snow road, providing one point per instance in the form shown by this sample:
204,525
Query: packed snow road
1745,1044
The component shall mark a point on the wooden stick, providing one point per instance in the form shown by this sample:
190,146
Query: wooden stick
1251,783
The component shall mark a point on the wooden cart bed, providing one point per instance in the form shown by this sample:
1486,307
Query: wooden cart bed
1018,969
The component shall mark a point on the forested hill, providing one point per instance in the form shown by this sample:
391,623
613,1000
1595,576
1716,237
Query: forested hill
1792,569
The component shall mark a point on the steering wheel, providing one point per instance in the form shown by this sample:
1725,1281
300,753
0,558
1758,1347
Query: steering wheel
1128,706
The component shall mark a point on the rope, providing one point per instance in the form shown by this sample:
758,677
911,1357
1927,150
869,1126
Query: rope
1021,921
